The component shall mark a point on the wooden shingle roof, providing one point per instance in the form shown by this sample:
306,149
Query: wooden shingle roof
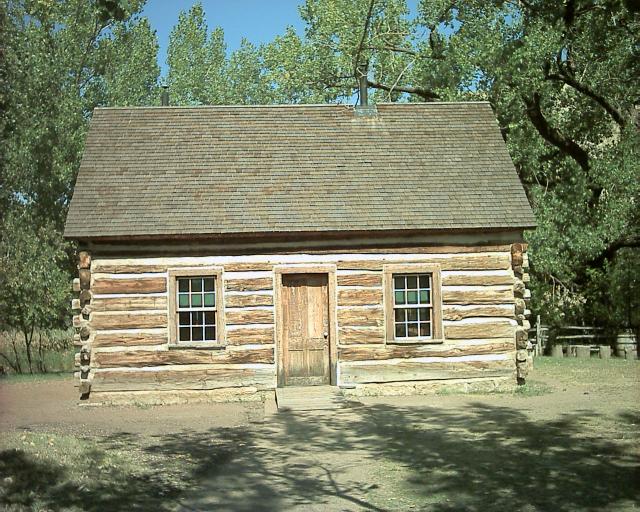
166,171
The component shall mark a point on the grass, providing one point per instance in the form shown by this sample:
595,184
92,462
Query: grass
532,388
47,471
14,378
596,374
550,374
57,354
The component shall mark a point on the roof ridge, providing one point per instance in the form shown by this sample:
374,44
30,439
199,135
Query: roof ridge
290,105
188,107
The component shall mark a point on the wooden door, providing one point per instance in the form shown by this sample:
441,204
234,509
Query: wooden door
305,330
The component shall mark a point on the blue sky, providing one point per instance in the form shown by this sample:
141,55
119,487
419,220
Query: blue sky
257,20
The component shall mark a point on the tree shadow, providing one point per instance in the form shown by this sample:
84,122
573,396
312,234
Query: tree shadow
480,458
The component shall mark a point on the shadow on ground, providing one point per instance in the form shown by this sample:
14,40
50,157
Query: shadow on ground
369,458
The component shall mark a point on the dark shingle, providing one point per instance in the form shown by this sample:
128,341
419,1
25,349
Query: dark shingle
255,169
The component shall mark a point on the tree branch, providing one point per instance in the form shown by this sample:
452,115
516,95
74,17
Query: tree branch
426,94
10,363
398,49
571,81
553,135
365,32
607,254
434,40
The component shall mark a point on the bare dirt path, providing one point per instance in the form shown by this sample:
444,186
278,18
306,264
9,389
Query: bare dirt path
54,405
576,447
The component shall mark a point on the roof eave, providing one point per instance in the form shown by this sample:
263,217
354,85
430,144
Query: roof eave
276,235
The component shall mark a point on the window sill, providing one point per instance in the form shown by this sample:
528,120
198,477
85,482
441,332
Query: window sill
416,341
202,346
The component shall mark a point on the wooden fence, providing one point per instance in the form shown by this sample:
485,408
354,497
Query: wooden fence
572,340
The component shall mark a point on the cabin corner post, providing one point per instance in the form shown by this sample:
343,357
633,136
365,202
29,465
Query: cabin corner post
82,338
520,265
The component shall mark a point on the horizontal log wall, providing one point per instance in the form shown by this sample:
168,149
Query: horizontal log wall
129,321
129,318
200,376
478,314
473,348
143,358
434,368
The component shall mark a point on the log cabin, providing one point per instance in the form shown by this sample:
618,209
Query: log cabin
226,251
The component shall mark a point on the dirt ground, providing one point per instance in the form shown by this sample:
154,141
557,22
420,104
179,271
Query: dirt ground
575,447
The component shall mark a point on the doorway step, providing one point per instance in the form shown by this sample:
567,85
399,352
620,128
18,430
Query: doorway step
310,398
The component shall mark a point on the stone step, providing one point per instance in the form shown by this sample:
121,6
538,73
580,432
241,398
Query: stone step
309,398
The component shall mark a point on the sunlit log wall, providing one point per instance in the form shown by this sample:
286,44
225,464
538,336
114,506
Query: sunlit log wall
122,315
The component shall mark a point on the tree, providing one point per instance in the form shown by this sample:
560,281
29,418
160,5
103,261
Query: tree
129,67
65,58
59,61
201,73
189,57
248,84
34,287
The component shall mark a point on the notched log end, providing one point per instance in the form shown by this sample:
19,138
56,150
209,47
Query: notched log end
84,260
85,278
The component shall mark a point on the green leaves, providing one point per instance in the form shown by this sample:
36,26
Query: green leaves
34,284
60,60
191,57
65,59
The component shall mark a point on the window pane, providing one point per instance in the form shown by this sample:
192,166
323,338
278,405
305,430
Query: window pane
398,282
424,297
195,293
425,281
412,282
185,318
399,314
425,329
424,314
412,330
400,298
412,297
401,331
412,315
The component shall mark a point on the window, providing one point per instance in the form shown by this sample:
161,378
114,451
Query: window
412,308
412,303
196,307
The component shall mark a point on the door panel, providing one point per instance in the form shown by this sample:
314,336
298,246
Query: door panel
305,317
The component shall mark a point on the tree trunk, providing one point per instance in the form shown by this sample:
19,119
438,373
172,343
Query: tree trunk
11,363
15,353
41,364
28,339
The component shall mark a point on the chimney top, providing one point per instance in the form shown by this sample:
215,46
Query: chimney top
363,108
164,96
363,85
